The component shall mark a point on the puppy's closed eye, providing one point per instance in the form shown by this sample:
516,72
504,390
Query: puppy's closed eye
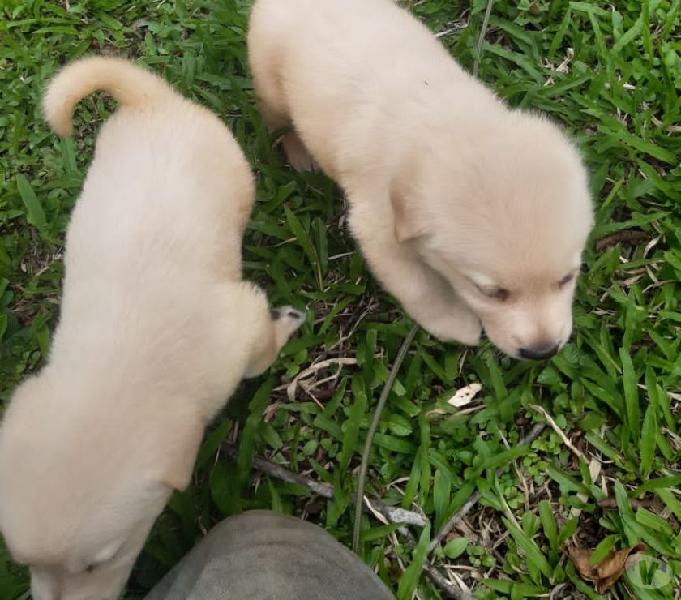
495,293
486,286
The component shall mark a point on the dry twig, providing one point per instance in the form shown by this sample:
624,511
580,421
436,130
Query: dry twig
576,451
311,370
393,514
451,589
629,236
448,587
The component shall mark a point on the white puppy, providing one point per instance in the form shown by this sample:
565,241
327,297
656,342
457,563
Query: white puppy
466,211
156,330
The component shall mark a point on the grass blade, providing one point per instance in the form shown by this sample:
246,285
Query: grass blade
34,209
532,552
631,402
410,578
549,524
248,437
648,440
441,489
353,423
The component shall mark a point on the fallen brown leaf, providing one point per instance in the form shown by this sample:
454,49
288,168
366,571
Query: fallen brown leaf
626,235
607,572
635,504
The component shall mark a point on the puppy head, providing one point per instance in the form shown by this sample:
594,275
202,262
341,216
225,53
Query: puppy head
80,490
505,220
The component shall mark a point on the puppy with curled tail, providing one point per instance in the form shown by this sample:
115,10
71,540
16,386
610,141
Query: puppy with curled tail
471,214
156,329
132,86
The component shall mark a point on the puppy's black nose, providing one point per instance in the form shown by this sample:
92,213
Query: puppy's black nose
538,352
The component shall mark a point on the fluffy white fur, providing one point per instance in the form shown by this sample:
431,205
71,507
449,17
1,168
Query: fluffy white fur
467,212
156,330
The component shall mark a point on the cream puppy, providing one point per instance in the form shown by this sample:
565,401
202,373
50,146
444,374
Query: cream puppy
468,212
156,330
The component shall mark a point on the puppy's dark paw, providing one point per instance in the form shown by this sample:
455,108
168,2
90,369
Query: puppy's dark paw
288,313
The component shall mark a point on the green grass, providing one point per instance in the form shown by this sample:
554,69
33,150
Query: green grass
614,391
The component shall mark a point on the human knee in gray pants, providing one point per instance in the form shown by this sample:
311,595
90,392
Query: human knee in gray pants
260,555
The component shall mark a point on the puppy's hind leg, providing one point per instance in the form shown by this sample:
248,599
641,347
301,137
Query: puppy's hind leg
296,152
276,119
271,330
275,111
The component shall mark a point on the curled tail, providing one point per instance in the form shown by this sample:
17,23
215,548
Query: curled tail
128,83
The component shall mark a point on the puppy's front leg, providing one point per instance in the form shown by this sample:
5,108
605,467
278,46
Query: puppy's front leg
272,329
423,293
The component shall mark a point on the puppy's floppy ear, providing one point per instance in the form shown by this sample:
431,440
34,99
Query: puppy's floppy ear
180,444
408,225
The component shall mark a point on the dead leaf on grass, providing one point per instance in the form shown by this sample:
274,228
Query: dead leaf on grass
607,572
465,395
626,235
635,503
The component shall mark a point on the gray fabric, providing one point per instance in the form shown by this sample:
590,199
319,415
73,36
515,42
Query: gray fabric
261,555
